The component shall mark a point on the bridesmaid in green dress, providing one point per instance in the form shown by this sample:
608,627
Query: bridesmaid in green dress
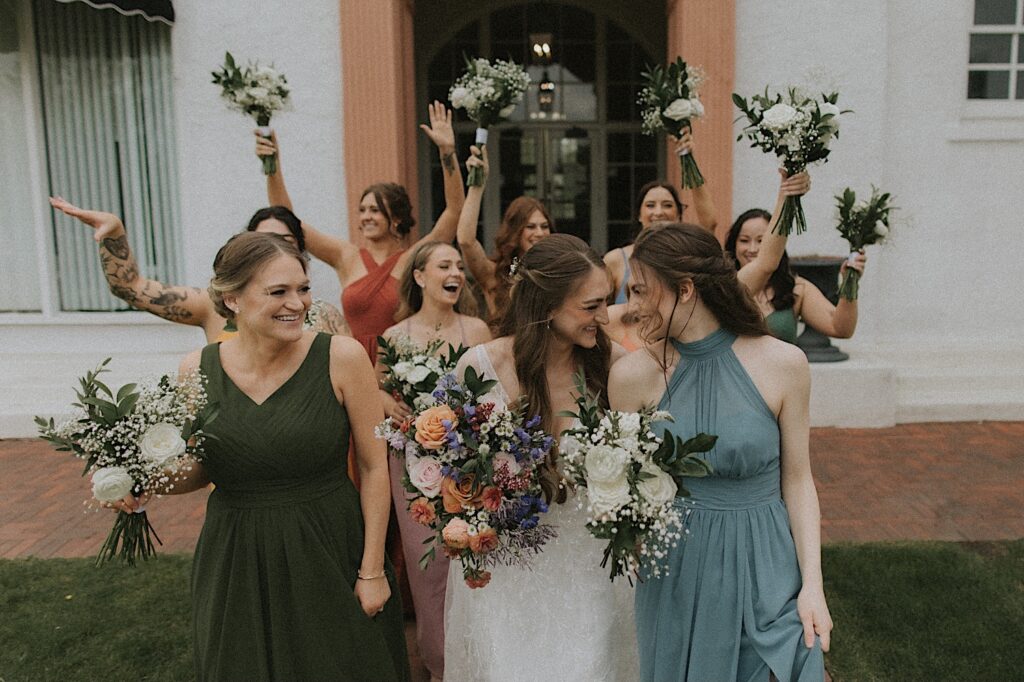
289,580
744,596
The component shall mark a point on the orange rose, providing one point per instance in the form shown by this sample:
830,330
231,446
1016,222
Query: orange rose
422,511
458,496
456,534
478,580
491,498
484,541
430,430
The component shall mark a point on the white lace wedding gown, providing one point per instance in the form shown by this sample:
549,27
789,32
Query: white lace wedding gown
562,621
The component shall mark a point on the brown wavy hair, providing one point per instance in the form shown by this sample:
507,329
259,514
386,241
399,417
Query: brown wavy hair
410,295
677,252
238,261
548,274
506,247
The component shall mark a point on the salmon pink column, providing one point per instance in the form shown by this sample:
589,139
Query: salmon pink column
703,32
378,101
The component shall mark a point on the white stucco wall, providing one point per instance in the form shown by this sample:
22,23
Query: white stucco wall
902,66
221,179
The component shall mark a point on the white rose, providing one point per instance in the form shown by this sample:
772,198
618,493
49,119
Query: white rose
658,490
110,484
418,374
679,110
605,498
402,369
829,108
629,424
258,93
779,117
425,474
161,443
607,465
507,111
458,97
698,108
881,230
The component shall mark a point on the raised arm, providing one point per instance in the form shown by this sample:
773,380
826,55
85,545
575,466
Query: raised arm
322,246
480,266
185,305
354,384
800,495
755,274
703,204
442,134
838,321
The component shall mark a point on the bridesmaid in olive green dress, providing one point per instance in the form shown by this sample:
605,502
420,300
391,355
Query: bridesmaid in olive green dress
289,580
743,597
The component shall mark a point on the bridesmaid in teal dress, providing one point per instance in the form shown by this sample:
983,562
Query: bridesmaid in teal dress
743,597
289,580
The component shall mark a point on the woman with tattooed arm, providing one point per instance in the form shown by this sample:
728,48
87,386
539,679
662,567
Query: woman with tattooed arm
187,305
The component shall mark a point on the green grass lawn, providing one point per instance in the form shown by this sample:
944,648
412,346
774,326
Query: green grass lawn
905,611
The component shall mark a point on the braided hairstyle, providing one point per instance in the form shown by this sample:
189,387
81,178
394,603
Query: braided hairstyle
677,252
548,274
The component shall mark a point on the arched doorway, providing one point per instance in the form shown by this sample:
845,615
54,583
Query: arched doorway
581,152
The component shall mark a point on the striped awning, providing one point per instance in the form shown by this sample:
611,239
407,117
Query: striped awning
150,10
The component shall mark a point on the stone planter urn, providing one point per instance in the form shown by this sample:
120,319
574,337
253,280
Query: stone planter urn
822,272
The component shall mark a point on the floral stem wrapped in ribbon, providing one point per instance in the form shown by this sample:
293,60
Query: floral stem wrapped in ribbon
861,223
796,128
670,101
632,477
257,91
133,441
489,92
411,372
473,470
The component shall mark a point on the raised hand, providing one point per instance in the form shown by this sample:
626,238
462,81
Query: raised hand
684,143
440,130
478,159
796,185
265,146
856,261
104,225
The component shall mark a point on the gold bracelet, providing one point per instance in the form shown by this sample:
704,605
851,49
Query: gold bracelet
360,576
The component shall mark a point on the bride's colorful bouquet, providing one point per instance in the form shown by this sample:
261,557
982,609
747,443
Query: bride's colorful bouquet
796,128
257,91
133,441
473,467
861,223
670,100
632,478
489,92
412,372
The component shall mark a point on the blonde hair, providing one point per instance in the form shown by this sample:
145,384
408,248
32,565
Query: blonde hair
239,260
410,294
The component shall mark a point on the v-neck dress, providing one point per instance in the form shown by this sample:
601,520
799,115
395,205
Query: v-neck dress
275,566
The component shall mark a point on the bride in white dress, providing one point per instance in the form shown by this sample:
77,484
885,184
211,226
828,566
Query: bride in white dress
563,620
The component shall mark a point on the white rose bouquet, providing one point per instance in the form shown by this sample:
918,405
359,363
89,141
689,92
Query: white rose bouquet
489,92
411,372
133,441
861,223
670,101
796,128
473,469
257,91
632,478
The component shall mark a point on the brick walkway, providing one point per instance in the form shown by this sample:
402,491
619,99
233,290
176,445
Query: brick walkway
961,481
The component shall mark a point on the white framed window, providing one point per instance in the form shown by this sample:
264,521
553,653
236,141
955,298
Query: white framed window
87,98
996,52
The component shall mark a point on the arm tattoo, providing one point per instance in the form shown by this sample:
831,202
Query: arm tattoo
448,161
122,274
118,247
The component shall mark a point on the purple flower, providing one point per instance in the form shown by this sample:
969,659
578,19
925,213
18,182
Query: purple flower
469,410
533,422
